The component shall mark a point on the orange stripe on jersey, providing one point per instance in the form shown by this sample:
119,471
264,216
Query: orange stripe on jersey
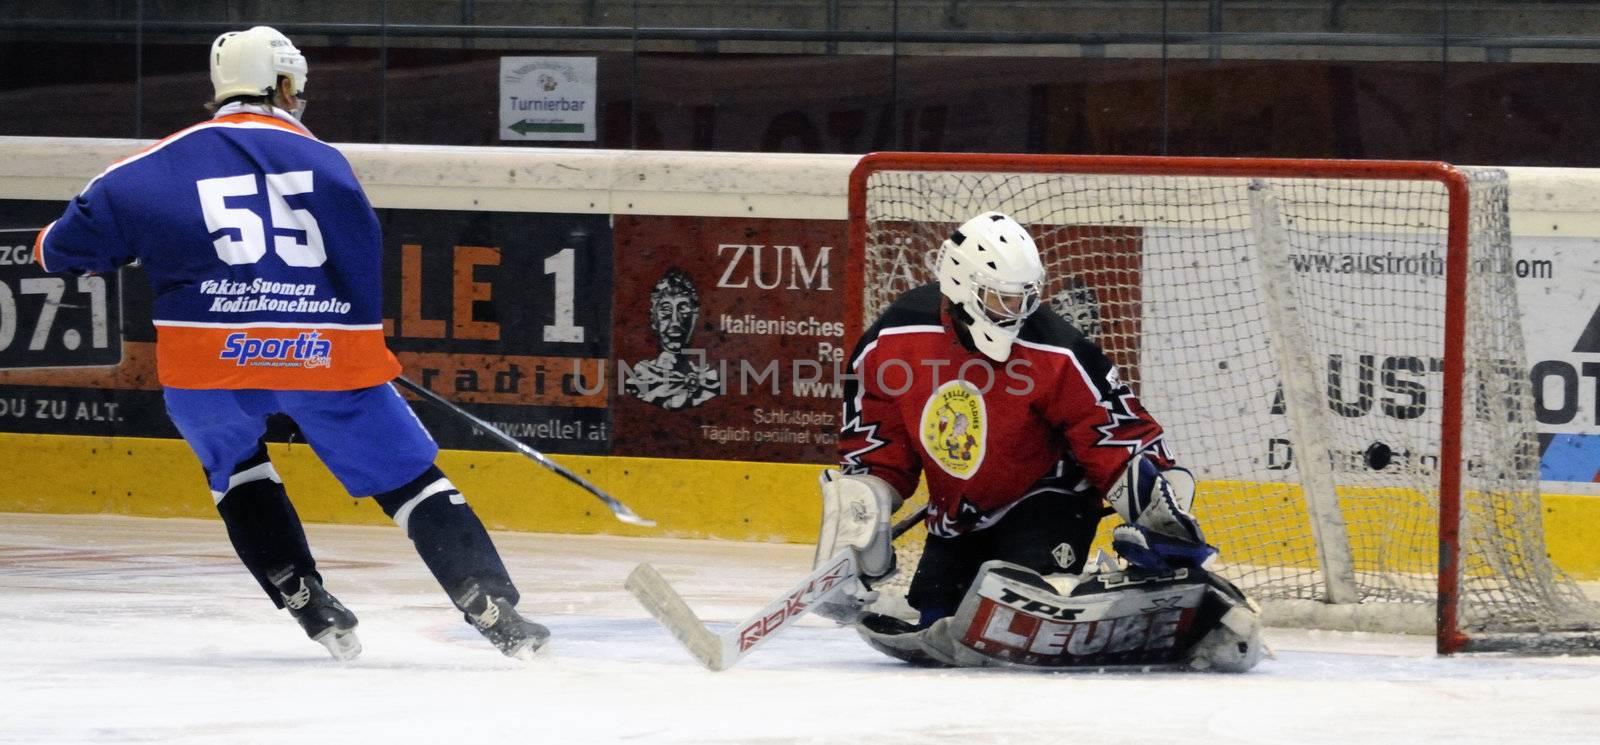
38,246
274,358
258,119
231,119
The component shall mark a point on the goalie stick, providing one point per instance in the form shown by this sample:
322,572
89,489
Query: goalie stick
719,652
620,510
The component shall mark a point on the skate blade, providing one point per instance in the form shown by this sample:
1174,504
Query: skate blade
343,645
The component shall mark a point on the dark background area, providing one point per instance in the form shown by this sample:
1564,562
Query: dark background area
1504,83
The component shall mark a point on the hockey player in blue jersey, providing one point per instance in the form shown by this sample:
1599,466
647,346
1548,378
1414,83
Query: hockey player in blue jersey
264,256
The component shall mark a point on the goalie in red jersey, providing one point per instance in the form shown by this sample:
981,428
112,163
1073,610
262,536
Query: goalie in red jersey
1025,434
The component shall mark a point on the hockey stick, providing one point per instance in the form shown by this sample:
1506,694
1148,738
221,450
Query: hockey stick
719,652
908,521
620,510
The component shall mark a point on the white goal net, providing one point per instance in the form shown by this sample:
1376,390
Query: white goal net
1285,321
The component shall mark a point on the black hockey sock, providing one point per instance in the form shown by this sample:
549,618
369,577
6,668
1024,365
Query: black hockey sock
448,535
262,524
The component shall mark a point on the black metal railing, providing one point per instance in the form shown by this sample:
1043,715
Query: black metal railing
209,29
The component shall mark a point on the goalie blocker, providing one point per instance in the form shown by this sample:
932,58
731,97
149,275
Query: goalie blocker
1186,618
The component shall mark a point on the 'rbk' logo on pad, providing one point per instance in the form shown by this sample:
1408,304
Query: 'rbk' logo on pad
308,349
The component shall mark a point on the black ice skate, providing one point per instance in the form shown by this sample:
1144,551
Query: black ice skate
501,624
324,618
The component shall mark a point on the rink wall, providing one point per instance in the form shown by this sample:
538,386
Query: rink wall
159,477
520,277
481,307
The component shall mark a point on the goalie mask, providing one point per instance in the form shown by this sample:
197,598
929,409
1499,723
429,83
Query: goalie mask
249,62
989,268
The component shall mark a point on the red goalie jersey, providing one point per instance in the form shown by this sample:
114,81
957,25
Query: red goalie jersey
1054,417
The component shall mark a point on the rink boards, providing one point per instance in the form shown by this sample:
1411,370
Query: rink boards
761,238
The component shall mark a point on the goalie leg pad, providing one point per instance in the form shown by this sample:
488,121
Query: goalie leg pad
1012,616
1187,618
1234,644
923,647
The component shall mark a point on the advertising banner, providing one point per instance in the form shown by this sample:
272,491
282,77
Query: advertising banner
52,320
720,338
100,328
55,321
1384,380
507,314
1558,286
729,336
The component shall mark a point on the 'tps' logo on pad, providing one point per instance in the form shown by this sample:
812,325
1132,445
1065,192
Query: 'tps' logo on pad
308,349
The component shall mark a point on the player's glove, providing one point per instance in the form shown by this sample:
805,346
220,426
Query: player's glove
1158,533
855,517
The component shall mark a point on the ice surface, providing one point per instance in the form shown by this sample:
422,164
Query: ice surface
117,630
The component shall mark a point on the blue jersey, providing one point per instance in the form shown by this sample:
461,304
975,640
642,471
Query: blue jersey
263,252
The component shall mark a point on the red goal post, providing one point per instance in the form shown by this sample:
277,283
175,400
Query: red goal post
1165,259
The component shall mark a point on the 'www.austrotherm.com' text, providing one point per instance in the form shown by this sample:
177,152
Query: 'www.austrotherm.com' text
1430,264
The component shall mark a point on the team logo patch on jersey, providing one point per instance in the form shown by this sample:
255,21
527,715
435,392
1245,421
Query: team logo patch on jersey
954,424
308,349
1064,555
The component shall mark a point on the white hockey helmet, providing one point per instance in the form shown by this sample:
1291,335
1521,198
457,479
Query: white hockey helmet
248,63
990,268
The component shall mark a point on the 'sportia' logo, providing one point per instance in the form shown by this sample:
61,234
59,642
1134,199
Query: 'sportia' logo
954,423
308,349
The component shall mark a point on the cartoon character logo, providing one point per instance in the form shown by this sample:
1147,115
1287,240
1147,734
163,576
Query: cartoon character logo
954,425
955,437
1078,303
679,377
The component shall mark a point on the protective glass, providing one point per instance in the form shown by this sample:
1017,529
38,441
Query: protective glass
1006,307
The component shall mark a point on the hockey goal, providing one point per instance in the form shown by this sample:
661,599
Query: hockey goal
1334,348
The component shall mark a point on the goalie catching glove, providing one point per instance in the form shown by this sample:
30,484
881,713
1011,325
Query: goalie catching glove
1158,533
855,517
